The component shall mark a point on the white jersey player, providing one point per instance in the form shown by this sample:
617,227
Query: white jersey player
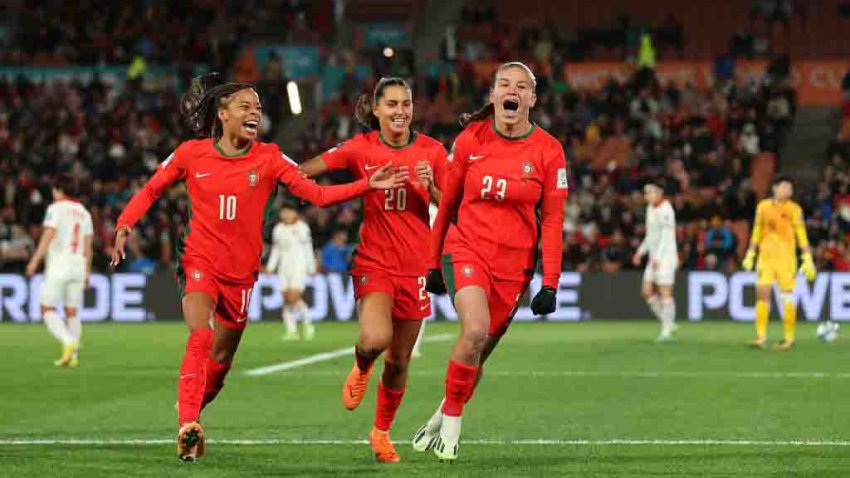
293,258
660,245
66,241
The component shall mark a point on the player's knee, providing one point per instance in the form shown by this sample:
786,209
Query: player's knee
375,341
474,337
648,296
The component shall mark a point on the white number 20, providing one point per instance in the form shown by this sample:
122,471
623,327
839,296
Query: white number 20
395,199
487,187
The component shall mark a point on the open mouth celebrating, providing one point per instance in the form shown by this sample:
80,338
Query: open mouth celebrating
510,106
251,126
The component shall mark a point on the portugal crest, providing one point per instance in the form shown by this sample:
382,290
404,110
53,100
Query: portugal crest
197,275
253,178
467,271
527,169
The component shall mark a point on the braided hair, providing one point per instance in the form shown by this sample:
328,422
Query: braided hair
199,105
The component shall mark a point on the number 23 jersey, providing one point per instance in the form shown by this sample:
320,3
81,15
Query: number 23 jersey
503,183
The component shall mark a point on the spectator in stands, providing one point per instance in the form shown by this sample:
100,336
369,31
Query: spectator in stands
719,241
336,254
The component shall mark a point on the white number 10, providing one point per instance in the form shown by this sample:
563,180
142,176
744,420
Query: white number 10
226,207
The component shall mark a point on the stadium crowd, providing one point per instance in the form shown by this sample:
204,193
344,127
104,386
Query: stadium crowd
701,143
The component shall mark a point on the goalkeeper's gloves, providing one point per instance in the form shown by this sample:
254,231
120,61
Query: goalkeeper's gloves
749,260
807,268
434,282
544,302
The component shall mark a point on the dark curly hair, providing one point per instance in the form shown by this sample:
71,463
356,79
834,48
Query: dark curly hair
205,96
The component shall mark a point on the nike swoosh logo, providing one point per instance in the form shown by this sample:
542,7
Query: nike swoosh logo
473,157
369,168
187,375
350,392
423,307
199,175
243,319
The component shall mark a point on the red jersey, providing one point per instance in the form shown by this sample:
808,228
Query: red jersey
493,189
227,197
395,230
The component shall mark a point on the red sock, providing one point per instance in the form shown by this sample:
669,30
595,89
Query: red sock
364,363
193,375
460,382
215,380
386,407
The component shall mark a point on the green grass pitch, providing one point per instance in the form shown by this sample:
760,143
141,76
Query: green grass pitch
582,399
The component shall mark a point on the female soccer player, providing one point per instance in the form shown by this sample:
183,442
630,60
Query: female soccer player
229,176
501,171
293,258
390,264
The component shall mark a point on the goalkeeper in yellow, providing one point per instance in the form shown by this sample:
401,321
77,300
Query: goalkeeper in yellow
778,230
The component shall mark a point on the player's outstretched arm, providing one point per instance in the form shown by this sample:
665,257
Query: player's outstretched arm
314,167
46,237
306,189
555,191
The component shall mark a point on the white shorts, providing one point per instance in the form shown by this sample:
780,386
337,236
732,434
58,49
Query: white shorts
63,285
291,278
664,274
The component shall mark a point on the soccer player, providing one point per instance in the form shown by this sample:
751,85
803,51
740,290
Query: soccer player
66,241
778,229
390,264
660,273
293,258
229,176
502,172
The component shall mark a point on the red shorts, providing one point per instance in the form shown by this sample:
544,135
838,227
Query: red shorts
231,299
410,299
502,295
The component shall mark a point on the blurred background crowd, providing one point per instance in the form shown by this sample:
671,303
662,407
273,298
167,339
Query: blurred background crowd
715,146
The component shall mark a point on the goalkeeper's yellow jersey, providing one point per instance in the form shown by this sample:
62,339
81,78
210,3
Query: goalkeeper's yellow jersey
778,230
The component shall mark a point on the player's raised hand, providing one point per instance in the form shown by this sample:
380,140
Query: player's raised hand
388,178
118,251
636,259
807,268
749,260
424,174
434,282
544,302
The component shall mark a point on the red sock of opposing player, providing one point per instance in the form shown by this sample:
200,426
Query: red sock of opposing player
460,382
387,405
193,375
215,380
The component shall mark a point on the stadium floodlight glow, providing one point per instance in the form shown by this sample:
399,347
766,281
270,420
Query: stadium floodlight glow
388,52
294,97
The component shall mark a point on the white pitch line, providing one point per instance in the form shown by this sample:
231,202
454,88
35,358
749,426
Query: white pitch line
531,442
620,374
325,356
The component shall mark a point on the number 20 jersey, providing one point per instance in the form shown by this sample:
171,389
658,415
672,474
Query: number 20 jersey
395,233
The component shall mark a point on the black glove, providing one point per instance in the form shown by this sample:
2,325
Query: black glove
544,302
434,283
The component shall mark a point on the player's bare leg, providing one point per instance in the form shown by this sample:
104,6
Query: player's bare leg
762,315
474,312
376,333
417,347
391,388
288,315
75,329
198,313
58,329
667,309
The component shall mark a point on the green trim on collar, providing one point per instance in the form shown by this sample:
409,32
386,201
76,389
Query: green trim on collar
239,153
410,140
514,138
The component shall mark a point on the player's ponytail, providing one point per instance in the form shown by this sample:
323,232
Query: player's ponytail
489,110
363,109
201,102
482,113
